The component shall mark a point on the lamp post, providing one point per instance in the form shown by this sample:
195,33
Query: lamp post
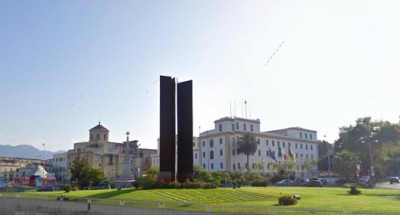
372,172
44,148
329,159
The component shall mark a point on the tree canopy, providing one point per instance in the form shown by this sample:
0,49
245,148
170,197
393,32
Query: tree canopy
85,175
373,143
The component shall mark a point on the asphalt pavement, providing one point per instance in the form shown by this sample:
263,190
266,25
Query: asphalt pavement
387,185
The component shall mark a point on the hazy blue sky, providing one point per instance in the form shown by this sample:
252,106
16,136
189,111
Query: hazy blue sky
65,65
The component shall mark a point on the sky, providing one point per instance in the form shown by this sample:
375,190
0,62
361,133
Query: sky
65,66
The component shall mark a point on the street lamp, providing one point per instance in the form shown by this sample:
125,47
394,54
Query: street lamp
329,159
44,148
370,153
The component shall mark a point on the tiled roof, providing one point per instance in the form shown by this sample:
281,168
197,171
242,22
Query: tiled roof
99,127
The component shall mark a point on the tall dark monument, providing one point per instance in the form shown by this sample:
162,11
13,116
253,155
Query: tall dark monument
185,131
184,120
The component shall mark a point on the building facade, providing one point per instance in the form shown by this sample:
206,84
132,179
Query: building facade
120,162
219,149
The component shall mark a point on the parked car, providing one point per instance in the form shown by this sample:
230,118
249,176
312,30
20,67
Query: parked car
102,186
46,188
313,183
285,182
394,180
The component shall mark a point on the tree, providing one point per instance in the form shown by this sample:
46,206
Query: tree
84,175
247,145
372,142
345,163
79,170
152,173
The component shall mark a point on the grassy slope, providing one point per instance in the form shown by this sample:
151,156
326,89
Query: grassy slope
320,198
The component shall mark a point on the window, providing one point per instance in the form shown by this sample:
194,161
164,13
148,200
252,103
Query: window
211,154
195,155
212,166
301,135
237,126
233,151
311,136
283,144
273,143
204,166
251,127
220,127
267,153
312,157
279,144
306,146
311,147
97,136
105,136
258,141
239,165
297,155
204,144
259,152
266,142
295,145
244,126
204,154
254,166
220,140
301,145
211,143
233,127
234,166
91,137
305,135
238,151
220,152
222,165
289,144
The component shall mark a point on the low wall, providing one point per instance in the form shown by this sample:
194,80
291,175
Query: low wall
21,206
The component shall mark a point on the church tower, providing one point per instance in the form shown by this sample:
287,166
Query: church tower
98,134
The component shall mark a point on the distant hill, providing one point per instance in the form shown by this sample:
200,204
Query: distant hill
25,151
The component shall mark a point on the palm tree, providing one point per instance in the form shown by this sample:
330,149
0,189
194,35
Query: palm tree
247,145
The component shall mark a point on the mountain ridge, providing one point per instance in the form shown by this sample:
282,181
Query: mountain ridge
25,151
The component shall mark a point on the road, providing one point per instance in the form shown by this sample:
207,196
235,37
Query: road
387,185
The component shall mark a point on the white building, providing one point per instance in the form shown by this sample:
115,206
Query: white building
218,148
60,166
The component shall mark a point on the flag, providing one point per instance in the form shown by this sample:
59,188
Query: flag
284,155
292,156
272,155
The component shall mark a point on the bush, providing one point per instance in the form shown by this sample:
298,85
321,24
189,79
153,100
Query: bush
354,190
208,186
287,200
263,183
67,188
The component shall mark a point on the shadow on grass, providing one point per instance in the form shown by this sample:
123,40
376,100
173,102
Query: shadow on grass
110,194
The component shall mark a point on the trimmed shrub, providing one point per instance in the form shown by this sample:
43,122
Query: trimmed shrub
67,188
259,183
287,200
354,190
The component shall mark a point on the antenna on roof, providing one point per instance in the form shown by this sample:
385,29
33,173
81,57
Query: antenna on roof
230,108
245,108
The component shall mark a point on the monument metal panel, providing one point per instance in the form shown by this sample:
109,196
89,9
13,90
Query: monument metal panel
185,131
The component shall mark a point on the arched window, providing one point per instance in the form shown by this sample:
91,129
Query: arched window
211,154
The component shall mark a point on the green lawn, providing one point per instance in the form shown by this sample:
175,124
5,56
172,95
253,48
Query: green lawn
311,198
